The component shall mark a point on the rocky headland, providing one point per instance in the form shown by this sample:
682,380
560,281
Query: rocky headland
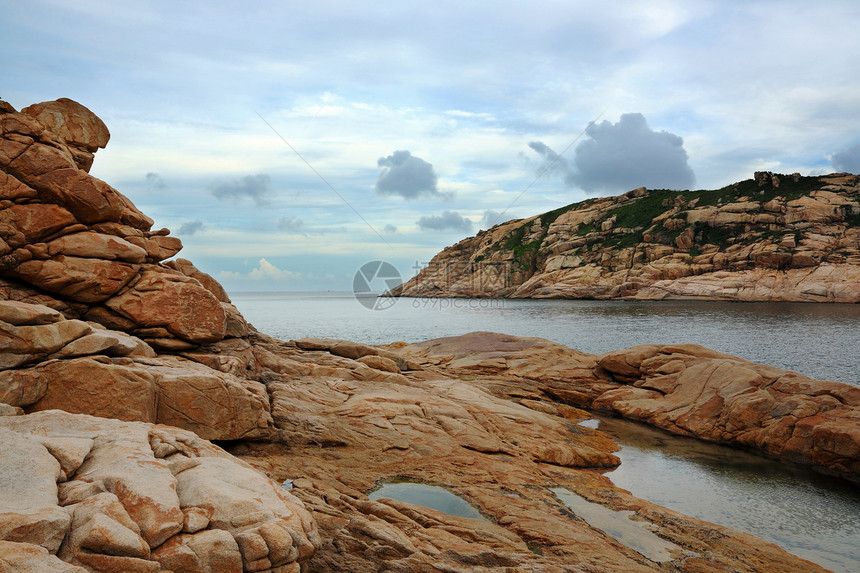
146,427
770,238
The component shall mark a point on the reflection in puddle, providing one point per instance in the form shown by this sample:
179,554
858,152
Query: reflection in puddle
431,496
809,514
617,524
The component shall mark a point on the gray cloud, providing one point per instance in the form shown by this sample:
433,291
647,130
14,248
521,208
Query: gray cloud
406,175
617,157
190,228
447,221
390,229
490,218
154,181
629,154
553,163
254,187
847,160
290,224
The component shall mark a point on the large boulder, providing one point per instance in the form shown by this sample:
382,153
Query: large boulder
72,122
166,390
115,496
692,390
179,304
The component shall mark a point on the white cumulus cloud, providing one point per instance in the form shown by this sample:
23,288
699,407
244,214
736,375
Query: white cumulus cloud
264,271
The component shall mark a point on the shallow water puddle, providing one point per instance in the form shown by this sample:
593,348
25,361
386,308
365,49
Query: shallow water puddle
809,514
431,496
618,525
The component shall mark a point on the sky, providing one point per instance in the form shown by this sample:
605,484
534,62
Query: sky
289,143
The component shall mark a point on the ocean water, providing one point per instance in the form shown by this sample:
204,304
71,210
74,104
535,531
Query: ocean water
819,340
810,515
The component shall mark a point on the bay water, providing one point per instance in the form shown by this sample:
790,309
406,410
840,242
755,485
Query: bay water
819,340
813,516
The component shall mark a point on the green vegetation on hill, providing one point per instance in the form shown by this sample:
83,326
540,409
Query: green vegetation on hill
634,220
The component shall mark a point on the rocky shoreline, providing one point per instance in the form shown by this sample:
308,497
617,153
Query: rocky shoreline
119,369
771,238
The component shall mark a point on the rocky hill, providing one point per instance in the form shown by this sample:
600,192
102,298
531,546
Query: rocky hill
117,366
771,238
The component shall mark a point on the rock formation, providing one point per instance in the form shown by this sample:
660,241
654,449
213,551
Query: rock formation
771,238
684,388
127,496
117,365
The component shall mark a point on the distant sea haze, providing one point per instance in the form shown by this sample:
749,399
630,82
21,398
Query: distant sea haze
817,340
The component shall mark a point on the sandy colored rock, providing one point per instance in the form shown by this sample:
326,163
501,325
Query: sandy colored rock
25,224
167,390
20,314
23,344
380,363
127,493
43,333
29,558
210,551
29,509
96,245
684,388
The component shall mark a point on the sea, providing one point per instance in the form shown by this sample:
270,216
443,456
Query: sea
821,341
814,516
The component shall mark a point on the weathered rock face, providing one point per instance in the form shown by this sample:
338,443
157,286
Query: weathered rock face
48,362
348,430
691,390
82,247
686,389
114,496
772,238
80,128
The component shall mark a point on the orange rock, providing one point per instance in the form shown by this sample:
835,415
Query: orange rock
86,280
32,223
72,122
170,391
179,304
188,269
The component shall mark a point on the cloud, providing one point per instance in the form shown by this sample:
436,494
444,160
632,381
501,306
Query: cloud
255,187
390,229
847,160
264,271
155,181
290,224
190,228
406,175
553,163
617,157
629,154
447,221
490,218
470,114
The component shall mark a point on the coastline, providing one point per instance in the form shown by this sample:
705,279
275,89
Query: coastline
770,238
147,426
